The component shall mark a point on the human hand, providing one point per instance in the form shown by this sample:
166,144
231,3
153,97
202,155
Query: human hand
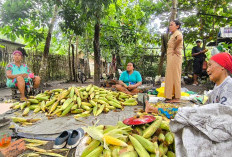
130,87
150,109
176,52
24,75
125,85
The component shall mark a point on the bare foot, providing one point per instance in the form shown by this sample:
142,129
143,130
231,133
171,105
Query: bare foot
176,100
23,98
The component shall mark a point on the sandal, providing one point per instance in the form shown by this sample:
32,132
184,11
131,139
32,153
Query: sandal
176,101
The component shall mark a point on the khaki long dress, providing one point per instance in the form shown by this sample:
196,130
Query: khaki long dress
173,69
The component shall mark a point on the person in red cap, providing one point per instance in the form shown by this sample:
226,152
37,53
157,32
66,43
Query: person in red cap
219,70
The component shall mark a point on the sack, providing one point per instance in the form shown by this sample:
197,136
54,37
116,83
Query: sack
204,65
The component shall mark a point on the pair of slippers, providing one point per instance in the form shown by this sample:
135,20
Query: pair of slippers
70,139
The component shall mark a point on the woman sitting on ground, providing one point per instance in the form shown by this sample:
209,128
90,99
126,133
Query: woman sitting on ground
129,80
18,75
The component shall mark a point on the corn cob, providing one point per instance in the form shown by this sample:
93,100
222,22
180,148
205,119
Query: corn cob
129,154
148,145
171,154
63,94
14,104
34,101
53,107
18,119
92,103
88,87
77,111
96,152
91,90
32,107
49,103
81,115
76,92
94,144
85,107
86,104
56,90
114,141
36,110
106,153
23,105
79,102
71,94
92,95
66,103
99,111
148,132
26,111
169,138
95,110
138,147
115,151
67,110
43,105
74,107
17,106
58,110
165,125
115,104
40,98
161,137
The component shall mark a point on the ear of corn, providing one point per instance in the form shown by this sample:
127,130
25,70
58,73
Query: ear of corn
171,154
114,141
165,125
148,132
169,138
66,103
138,147
34,101
96,152
129,154
161,137
48,103
26,111
99,111
148,145
67,110
115,104
94,144
106,153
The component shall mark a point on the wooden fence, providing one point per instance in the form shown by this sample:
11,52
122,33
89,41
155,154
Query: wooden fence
57,66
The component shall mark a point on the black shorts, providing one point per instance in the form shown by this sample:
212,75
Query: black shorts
197,66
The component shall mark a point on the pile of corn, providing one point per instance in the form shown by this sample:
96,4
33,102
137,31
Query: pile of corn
148,140
81,101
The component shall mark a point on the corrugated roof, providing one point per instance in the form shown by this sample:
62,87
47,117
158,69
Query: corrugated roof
11,42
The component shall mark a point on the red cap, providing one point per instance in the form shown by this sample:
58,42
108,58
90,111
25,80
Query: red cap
224,59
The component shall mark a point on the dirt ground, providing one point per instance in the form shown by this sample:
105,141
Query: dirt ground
57,125
5,93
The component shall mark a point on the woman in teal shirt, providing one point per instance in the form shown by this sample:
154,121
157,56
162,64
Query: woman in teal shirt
18,74
129,80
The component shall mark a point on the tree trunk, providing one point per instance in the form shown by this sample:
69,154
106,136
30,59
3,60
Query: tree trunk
77,59
73,63
165,37
96,46
43,67
87,67
69,59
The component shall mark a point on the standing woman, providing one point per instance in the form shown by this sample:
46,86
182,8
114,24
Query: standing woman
174,64
18,74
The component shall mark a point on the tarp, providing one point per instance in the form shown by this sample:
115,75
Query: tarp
203,131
